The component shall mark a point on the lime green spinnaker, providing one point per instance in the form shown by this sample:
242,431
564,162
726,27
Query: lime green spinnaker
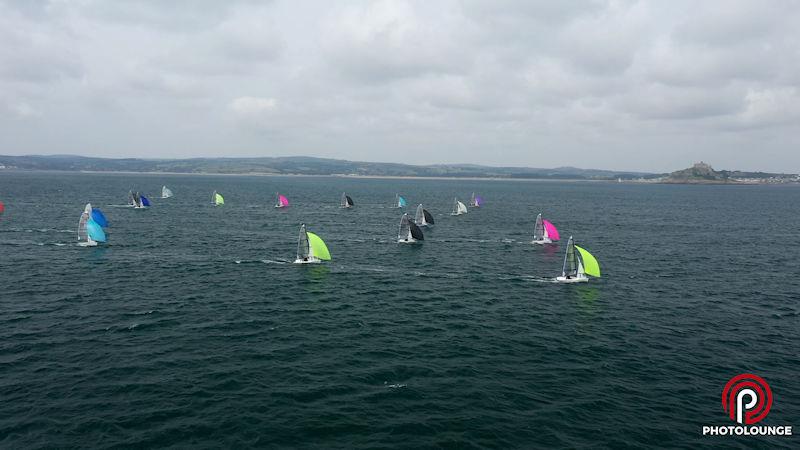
219,200
318,247
590,265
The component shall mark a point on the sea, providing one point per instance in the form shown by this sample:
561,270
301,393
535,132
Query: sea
191,327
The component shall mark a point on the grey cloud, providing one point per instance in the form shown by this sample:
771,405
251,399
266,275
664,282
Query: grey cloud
454,81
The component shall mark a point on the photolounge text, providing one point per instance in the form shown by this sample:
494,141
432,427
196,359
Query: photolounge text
739,430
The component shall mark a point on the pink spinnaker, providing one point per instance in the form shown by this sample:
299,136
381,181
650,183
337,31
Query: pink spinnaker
552,233
283,200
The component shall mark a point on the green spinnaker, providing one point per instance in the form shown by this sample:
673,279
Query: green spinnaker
318,247
219,200
590,265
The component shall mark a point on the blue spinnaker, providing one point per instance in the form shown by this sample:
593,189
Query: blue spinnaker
401,202
99,217
95,231
145,201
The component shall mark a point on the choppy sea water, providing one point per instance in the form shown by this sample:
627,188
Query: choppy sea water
192,328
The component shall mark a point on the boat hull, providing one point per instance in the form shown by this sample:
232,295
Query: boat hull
311,260
87,244
572,279
542,241
407,241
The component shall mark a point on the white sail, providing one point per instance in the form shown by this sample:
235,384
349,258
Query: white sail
419,216
462,208
303,249
404,234
166,192
538,229
83,233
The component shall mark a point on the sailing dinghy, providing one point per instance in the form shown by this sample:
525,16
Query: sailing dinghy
137,200
89,232
544,232
458,208
311,249
578,263
409,231
347,202
423,218
399,201
475,201
282,201
216,199
166,192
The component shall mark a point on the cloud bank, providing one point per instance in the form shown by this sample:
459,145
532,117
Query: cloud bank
608,84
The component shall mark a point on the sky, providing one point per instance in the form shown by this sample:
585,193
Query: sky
621,85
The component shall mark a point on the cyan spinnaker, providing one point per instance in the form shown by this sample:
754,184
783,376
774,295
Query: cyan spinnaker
95,231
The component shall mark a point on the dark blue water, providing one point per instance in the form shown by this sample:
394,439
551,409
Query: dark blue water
192,328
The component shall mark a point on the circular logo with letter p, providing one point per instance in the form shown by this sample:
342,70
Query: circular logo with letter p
747,398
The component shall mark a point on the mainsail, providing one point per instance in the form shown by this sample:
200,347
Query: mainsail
538,229
303,250
409,231
166,192
419,216
132,199
458,208
83,235
571,261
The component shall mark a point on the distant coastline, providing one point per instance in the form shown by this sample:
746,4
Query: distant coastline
699,173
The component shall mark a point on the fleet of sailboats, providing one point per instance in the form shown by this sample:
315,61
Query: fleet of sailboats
137,200
458,208
579,265
311,249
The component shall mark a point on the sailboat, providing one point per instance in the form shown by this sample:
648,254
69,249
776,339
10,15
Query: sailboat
423,218
347,202
89,232
400,201
166,192
137,200
311,249
475,201
282,201
544,232
216,199
409,231
458,208
578,263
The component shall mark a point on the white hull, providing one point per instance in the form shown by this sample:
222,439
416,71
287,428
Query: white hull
311,260
87,244
407,241
542,241
578,279
457,214
279,206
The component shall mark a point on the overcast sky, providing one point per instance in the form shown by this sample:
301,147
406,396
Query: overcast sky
650,85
